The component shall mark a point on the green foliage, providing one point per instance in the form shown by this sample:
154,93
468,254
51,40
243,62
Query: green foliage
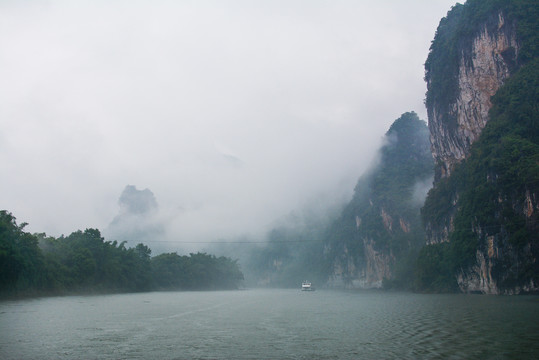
434,271
21,261
85,262
437,205
491,184
310,247
388,190
454,38
198,271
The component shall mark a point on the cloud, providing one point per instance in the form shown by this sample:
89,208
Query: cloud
232,113
421,189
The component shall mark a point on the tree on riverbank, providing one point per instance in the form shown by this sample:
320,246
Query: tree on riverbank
85,262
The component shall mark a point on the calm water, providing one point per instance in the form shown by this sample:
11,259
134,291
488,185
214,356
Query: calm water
271,324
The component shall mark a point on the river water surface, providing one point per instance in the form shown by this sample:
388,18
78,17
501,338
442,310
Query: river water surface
271,324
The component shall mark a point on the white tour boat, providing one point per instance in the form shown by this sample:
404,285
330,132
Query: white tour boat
307,286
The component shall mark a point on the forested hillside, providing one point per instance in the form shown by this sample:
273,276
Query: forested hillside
379,233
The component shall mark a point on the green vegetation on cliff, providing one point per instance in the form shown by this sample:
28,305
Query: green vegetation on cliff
456,33
492,185
313,244
384,212
498,182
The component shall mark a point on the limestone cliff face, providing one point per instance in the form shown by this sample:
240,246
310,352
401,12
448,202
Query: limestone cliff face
498,261
367,268
482,70
438,231
454,127
488,216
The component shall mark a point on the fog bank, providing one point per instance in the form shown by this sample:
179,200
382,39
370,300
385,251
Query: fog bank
231,113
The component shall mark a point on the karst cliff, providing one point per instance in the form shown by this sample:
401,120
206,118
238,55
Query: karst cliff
372,243
482,216
483,67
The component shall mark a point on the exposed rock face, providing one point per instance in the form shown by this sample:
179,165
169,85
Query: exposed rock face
367,271
388,221
404,225
481,72
438,232
486,275
500,256
479,279
497,259
378,265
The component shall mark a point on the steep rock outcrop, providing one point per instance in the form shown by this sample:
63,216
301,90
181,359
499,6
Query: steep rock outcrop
380,230
482,215
363,268
503,265
482,70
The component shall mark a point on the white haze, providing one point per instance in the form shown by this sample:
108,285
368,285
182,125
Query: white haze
233,113
421,190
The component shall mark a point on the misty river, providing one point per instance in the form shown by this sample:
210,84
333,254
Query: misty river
271,324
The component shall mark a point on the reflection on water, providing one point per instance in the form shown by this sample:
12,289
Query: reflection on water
271,324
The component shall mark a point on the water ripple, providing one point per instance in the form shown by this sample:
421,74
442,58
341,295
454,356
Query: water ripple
271,324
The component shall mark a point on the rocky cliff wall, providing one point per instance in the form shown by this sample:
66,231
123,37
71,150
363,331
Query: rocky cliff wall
482,216
500,265
482,70
368,268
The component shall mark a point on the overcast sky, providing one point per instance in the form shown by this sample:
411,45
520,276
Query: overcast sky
233,113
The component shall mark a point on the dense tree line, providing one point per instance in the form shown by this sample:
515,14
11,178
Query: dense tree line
84,262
